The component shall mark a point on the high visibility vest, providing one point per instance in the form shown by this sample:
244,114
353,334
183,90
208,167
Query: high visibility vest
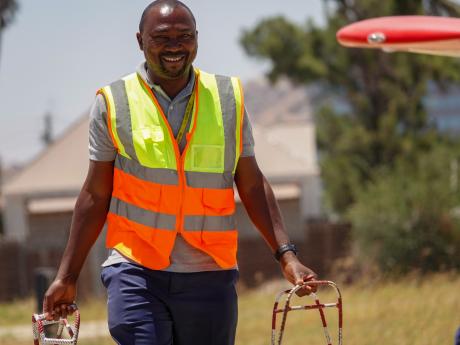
158,192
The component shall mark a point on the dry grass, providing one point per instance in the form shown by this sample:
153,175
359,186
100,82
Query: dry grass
92,341
409,311
415,311
20,312
16,313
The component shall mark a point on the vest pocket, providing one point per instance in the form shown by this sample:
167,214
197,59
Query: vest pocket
225,241
218,205
144,195
150,146
218,201
208,158
135,191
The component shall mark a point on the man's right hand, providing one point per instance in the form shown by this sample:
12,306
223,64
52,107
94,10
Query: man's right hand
58,298
89,216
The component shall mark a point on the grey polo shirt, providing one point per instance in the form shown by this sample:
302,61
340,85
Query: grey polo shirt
184,257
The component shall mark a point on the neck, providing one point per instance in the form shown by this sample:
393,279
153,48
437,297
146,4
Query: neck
170,86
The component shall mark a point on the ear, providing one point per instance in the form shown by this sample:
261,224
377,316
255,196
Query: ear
139,41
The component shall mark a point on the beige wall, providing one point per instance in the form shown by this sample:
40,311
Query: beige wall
44,247
49,230
14,218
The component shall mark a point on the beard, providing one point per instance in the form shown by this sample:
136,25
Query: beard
175,74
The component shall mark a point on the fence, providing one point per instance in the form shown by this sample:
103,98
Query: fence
324,243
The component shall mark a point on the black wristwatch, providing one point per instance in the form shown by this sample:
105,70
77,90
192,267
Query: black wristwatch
283,249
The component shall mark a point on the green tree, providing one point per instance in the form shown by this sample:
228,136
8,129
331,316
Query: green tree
409,217
386,119
8,9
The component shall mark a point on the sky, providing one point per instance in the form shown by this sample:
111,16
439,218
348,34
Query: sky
57,53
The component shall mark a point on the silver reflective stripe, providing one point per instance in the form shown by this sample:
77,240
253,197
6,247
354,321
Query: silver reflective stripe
139,215
228,106
198,179
209,223
156,175
124,129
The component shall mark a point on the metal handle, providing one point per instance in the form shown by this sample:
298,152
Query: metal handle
38,328
317,305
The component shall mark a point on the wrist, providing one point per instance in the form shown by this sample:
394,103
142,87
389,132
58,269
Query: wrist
285,251
67,278
287,258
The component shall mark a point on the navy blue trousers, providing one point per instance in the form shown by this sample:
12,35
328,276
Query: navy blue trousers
147,307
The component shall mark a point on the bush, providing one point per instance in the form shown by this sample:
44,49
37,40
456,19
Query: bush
409,217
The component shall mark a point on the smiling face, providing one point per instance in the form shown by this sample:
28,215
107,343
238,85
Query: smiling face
168,39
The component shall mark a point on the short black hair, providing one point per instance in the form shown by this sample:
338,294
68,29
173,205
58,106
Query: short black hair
172,3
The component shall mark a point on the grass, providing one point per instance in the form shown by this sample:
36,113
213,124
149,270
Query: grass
421,311
17,312
20,312
415,311
92,341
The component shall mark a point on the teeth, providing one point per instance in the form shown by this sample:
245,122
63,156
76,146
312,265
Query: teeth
172,59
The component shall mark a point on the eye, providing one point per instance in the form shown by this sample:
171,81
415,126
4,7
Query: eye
159,39
186,37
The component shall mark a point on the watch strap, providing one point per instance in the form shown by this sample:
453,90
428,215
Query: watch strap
289,247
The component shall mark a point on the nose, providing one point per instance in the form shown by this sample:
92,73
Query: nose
174,44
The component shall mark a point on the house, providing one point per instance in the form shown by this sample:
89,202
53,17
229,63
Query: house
39,201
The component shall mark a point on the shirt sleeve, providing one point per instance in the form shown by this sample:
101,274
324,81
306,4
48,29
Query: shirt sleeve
248,139
101,147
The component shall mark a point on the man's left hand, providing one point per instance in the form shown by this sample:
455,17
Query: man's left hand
298,274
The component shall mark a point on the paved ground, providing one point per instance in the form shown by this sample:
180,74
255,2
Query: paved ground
89,329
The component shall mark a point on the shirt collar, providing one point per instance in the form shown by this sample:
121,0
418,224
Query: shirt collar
185,92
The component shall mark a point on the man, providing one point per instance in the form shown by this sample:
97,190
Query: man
166,145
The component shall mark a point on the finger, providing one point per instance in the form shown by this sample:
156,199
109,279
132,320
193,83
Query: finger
309,277
313,288
71,309
300,279
63,311
305,290
304,277
48,306
57,313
